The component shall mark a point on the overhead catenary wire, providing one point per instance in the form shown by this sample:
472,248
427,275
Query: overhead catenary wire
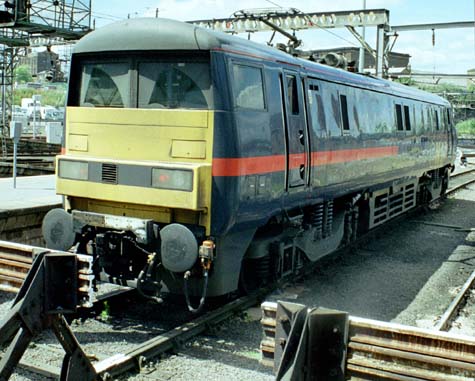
271,2
376,55
105,16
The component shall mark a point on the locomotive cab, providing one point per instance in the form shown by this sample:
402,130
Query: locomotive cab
136,165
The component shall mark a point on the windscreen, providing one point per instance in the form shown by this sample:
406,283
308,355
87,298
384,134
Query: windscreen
105,85
173,85
165,82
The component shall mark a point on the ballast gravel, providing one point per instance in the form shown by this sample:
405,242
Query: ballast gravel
379,279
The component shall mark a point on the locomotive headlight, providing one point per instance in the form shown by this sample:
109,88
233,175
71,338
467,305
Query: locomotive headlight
74,170
176,179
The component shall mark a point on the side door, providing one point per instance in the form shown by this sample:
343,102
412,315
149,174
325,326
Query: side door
295,124
450,131
317,131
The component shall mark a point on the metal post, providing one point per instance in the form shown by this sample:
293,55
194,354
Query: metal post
39,306
15,134
34,117
314,343
36,100
362,50
15,149
380,42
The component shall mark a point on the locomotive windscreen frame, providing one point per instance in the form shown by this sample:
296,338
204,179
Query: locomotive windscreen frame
163,80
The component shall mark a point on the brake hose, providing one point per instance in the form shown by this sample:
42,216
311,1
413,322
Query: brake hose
203,296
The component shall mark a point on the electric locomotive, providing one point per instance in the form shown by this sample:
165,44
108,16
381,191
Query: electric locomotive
197,162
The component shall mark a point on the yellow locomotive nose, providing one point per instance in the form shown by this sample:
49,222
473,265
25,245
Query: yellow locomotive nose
161,171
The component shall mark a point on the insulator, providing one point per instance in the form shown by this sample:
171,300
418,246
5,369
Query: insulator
335,60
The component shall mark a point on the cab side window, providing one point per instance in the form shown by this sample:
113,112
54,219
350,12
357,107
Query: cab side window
344,113
248,87
292,94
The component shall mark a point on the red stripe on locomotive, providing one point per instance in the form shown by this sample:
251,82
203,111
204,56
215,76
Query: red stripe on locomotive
276,163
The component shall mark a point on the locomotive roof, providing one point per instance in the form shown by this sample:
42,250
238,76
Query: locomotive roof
165,34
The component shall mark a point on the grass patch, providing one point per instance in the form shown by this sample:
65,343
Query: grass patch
56,98
467,127
105,313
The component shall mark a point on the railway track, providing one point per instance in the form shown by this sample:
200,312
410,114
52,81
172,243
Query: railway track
380,350
460,180
16,261
107,368
365,333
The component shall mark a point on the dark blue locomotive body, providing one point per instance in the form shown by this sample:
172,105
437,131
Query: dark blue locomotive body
295,134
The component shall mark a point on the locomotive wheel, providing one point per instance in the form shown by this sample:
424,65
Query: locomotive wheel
445,184
255,273
424,196
247,280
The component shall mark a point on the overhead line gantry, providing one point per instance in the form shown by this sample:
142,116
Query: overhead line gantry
276,19
282,20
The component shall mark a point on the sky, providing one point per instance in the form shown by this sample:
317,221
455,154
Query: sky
453,51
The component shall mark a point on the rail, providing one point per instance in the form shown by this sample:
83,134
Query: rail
461,180
375,350
446,319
